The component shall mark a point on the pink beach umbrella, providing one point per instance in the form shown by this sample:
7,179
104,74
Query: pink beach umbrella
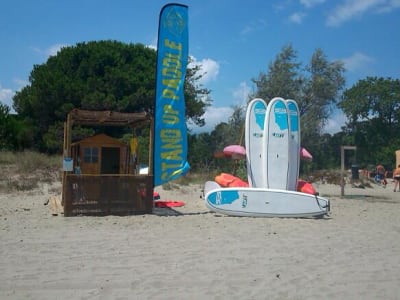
235,151
304,154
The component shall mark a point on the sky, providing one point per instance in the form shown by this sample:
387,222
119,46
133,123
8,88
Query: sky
234,41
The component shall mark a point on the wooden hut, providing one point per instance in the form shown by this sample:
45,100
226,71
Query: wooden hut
100,154
98,179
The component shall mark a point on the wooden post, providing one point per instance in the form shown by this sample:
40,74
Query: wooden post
342,156
66,153
69,134
151,150
64,173
342,171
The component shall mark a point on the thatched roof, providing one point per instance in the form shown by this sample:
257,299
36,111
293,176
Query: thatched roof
107,118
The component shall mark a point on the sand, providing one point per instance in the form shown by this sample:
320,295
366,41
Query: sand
191,253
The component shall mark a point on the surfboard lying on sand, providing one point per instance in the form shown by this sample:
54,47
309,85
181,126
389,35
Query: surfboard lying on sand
255,118
276,145
261,202
209,186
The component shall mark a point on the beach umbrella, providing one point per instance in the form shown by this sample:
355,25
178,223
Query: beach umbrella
235,151
304,154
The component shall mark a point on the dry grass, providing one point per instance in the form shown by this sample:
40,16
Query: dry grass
22,171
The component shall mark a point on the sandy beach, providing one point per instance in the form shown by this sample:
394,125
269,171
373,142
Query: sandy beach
191,253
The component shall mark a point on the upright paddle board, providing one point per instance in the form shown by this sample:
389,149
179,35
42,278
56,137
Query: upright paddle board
255,118
294,144
276,145
260,202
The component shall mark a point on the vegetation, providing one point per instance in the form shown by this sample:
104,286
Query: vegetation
103,75
109,75
27,169
372,106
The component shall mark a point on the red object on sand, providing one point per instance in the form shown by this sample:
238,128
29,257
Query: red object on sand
228,180
168,203
305,187
235,151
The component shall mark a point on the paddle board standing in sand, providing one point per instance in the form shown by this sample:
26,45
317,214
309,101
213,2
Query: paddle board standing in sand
294,144
276,145
255,118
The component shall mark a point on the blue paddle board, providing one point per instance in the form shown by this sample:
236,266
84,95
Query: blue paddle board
259,202
294,144
276,145
255,118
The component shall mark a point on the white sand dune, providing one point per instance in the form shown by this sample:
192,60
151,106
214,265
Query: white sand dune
191,253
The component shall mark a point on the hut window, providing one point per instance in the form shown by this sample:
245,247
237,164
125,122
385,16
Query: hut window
91,155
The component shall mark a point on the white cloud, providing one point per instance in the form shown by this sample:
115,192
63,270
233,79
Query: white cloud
50,51
388,6
6,97
247,29
216,115
254,25
241,93
208,67
335,123
311,3
297,17
213,116
356,8
357,61
20,83
154,47
53,50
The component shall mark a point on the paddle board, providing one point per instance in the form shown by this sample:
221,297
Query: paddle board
260,202
255,118
275,161
209,186
294,144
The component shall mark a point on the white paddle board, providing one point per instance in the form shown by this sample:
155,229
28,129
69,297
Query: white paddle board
259,202
294,144
276,145
209,186
255,118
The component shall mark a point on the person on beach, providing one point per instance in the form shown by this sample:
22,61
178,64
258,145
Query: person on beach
380,170
396,177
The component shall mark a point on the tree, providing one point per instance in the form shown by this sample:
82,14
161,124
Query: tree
201,151
283,78
373,98
315,88
206,149
320,93
197,97
372,106
14,134
98,75
4,126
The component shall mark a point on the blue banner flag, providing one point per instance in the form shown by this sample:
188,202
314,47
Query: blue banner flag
170,137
